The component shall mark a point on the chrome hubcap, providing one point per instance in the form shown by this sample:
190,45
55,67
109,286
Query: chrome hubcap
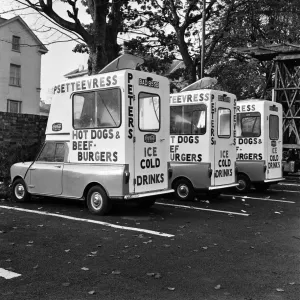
19,191
242,185
97,200
183,191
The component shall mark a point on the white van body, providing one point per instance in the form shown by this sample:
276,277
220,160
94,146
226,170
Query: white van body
108,130
259,143
202,141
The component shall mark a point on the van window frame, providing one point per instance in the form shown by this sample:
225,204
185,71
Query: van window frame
95,91
230,133
159,98
250,114
277,117
182,112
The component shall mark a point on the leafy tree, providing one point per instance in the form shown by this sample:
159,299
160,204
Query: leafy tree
171,29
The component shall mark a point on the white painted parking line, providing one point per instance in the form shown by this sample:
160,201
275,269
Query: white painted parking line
205,209
288,191
8,274
291,184
261,199
89,221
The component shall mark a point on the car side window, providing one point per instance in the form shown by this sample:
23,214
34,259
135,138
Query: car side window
52,152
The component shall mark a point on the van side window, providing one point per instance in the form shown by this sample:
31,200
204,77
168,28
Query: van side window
97,109
52,152
248,124
149,112
224,122
188,119
274,127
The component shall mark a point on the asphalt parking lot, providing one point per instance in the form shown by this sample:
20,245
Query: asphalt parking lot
234,247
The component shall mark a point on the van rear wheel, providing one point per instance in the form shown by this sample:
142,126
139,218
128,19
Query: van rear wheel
97,201
184,190
244,183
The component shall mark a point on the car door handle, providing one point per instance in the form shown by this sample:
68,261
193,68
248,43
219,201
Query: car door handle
57,166
161,140
32,169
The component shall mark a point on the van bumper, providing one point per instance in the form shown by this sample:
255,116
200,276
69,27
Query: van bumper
148,194
223,186
274,180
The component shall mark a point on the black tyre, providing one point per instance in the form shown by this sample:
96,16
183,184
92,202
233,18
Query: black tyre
244,183
261,187
97,201
184,190
147,202
19,191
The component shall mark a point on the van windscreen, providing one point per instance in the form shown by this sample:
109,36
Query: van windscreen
188,119
248,124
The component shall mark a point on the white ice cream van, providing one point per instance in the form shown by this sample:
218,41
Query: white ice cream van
202,141
259,144
107,138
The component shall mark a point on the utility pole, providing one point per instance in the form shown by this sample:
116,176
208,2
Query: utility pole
203,40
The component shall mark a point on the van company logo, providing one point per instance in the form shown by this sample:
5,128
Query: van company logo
273,143
224,98
273,108
149,82
57,127
150,138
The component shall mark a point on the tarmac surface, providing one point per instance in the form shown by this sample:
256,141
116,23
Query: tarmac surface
236,247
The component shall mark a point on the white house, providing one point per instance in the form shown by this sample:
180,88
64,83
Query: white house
20,67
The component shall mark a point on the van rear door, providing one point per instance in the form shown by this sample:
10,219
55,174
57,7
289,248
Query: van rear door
274,144
224,148
151,146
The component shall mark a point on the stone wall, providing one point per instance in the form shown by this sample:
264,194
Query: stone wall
21,136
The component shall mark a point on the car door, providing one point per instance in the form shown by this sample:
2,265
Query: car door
46,171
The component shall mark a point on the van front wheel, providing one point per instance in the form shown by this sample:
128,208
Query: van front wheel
97,201
184,190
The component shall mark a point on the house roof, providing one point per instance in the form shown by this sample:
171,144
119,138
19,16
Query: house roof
76,73
4,22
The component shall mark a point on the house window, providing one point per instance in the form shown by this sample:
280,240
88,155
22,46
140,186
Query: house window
13,106
16,43
15,75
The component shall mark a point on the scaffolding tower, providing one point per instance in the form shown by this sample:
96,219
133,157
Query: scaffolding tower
284,79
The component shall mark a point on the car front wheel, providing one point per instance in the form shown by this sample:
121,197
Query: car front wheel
19,191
